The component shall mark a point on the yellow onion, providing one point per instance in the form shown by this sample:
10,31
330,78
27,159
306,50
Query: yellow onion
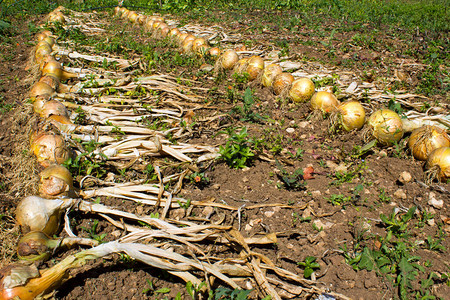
189,37
51,80
54,68
386,126
132,16
34,213
122,11
38,246
201,50
254,67
44,60
181,37
228,59
163,30
41,35
324,101
301,90
54,108
55,181
438,164
158,18
426,139
39,102
56,17
49,40
42,51
282,82
117,10
43,44
214,51
197,43
351,115
141,19
49,148
187,46
173,32
241,66
156,25
269,73
149,25
40,89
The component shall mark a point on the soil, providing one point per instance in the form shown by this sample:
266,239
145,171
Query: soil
304,219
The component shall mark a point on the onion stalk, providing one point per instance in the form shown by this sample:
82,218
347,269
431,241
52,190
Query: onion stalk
38,246
426,139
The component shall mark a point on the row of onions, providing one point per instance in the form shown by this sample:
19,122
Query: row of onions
428,143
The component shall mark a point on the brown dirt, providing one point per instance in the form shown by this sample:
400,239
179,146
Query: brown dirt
113,278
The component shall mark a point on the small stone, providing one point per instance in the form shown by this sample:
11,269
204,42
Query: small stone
431,222
276,209
342,168
316,194
303,136
438,204
331,164
382,153
405,177
116,234
245,179
248,227
139,210
206,68
290,246
303,124
400,194
292,123
269,213
216,186
322,225
109,177
178,213
290,130
207,211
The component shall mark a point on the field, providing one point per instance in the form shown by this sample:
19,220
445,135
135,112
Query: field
351,219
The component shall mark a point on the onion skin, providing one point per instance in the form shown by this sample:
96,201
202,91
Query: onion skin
254,67
241,66
40,89
229,59
351,115
269,74
173,32
214,51
386,126
54,107
426,139
324,101
281,82
49,148
301,90
55,181
54,68
51,80
440,158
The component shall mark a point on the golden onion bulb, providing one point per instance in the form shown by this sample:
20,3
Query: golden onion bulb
189,37
116,10
351,115
324,101
40,89
386,126
282,82
54,107
49,148
41,36
41,51
51,80
426,139
55,181
241,66
301,90
39,102
187,46
269,74
228,59
54,68
36,246
56,18
214,51
181,37
439,159
34,213
173,32
149,25
197,43
254,67
141,19
162,30
202,50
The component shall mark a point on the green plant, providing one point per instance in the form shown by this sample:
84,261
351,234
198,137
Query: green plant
338,199
223,293
396,224
383,197
309,265
246,112
199,179
237,152
350,174
92,231
290,181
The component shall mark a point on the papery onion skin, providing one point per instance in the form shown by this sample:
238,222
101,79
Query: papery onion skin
173,32
254,67
241,66
281,82
214,51
51,80
54,107
440,158
269,74
426,139
187,46
352,115
34,213
302,90
49,148
55,181
229,59
386,126
40,89
324,101
35,245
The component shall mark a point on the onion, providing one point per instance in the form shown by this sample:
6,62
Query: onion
301,90
324,101
117,10
438,164
41,36
141,19
269,73
122,11
51,80
254,67
181,37
426,139
56,17
202,50
55,181
132,17
351,115
40,89
39,102
282,82
241,66
55,108
187,46
149,25
54,68
197,43
34,213
214,51
44,60
42,51
228,59
386,126
49,148
173,32
156,25
38,246
50,41
158,18
189,37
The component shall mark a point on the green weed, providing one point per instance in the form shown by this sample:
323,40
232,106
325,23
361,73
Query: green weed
237,152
